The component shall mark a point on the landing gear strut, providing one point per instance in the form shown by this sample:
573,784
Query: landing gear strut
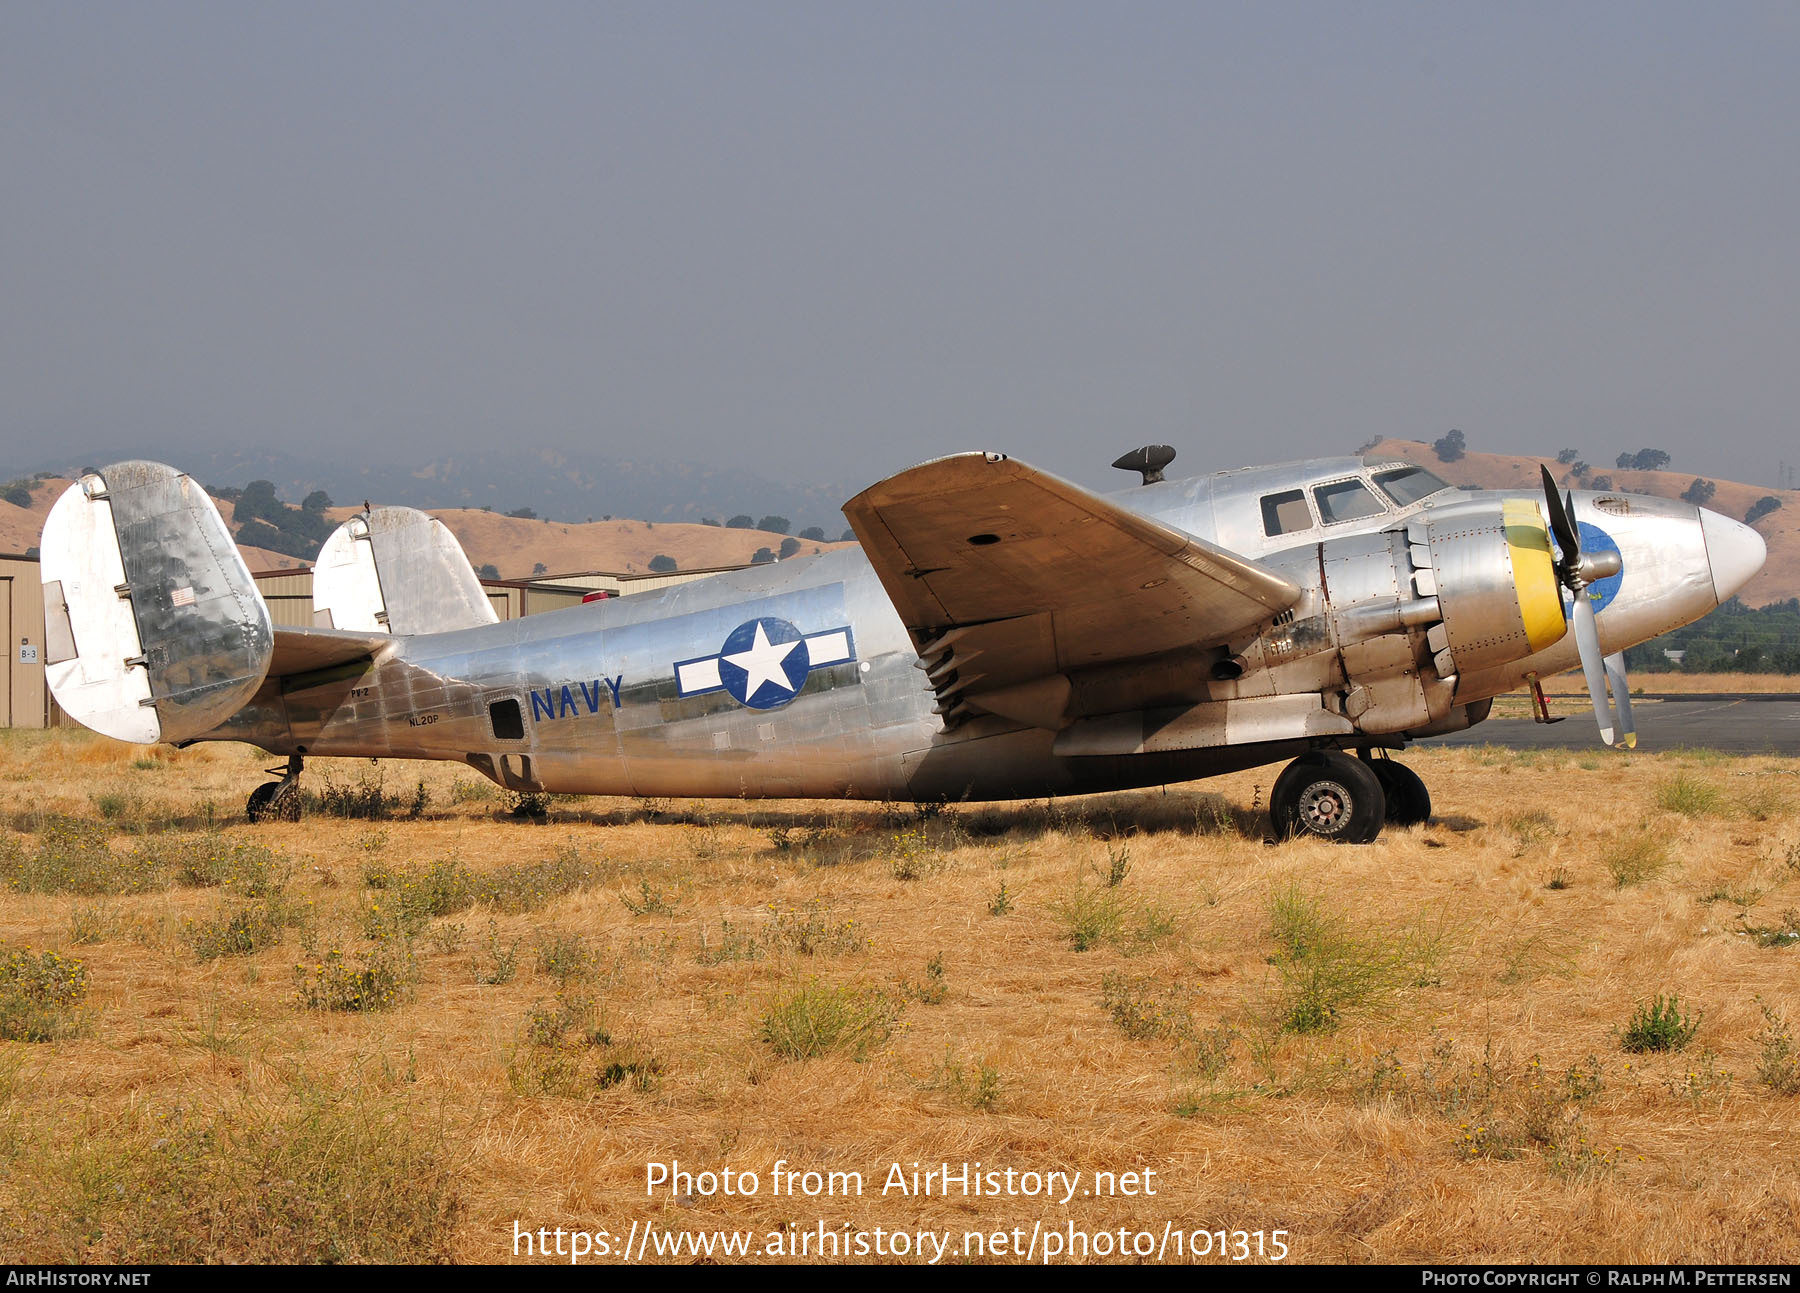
1344,799
277,800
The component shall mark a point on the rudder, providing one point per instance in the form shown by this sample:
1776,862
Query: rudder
154,630
396,570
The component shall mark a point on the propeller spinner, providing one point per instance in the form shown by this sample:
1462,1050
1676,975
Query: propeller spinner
1576,570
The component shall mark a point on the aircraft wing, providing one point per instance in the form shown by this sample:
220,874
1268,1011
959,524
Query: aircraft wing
300,650
1037,576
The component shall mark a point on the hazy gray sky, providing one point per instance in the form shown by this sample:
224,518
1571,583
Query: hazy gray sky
827,240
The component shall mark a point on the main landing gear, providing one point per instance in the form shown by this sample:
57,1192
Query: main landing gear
277,800
1345,799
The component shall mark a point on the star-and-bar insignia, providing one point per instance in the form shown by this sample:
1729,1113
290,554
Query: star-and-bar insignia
764,662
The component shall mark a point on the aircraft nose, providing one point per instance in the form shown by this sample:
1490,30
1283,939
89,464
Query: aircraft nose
1734,551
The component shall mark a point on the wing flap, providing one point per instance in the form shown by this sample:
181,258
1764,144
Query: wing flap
983,543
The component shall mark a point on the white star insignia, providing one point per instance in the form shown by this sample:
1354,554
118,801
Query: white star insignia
763,663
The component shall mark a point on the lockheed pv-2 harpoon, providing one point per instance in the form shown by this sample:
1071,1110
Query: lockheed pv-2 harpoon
1000,633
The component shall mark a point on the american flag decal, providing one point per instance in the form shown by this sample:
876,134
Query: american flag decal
182,596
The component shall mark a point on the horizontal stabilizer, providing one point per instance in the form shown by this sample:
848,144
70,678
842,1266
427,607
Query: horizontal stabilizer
396,570
308,650
154,630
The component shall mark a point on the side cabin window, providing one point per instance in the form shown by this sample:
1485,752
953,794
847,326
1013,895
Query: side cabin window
1285,512
1346,500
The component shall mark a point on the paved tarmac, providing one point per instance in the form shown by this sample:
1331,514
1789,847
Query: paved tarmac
1740,723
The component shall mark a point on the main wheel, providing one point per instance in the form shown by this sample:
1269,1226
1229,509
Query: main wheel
1329,794
1408,802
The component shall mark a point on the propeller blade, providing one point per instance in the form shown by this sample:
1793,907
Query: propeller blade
1621,694
1587,640
1568,538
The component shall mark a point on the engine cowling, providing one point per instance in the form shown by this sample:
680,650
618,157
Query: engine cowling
1495,579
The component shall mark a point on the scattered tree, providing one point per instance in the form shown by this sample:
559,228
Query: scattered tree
789,546
814,533
523,514
16,492
489,571
707,520
1761,508
1600,482
1578,469
773,524
848,536
663,564
1449,448
762,557
1643,460
258,503
316,502
1567,456
1699,493
741,522
540,569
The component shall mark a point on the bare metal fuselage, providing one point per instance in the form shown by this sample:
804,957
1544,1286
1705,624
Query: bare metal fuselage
601,710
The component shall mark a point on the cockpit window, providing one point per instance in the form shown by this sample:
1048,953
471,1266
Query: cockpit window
1346,500
1407,485
1284,513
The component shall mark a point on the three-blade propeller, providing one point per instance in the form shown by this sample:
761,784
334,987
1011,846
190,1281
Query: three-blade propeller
1576,570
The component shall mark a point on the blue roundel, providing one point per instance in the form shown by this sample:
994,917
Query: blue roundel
1602,591
763,663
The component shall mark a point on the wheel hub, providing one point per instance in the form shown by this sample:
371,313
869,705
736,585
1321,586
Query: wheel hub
1324,806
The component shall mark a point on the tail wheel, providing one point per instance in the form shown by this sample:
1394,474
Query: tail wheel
256,808
1329,794
274,801
1408,802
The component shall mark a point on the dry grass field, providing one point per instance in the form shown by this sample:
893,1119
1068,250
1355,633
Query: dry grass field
1554,1025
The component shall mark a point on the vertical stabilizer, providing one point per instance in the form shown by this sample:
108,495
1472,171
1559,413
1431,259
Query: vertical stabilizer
396,570
154,630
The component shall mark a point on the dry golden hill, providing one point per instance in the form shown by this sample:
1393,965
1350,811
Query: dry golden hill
1779,578
512,545
516,546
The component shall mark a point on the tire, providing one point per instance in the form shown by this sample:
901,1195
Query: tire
1328,794
1408,802
256,808
274,801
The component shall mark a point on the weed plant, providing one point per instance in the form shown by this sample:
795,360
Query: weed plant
1636,859
370,980
1777,1065
811,930
811,1019
1327,971
1097,915
1689,796
1659,1025
41,995
1146,1008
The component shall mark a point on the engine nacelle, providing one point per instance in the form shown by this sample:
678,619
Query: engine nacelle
1494,574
